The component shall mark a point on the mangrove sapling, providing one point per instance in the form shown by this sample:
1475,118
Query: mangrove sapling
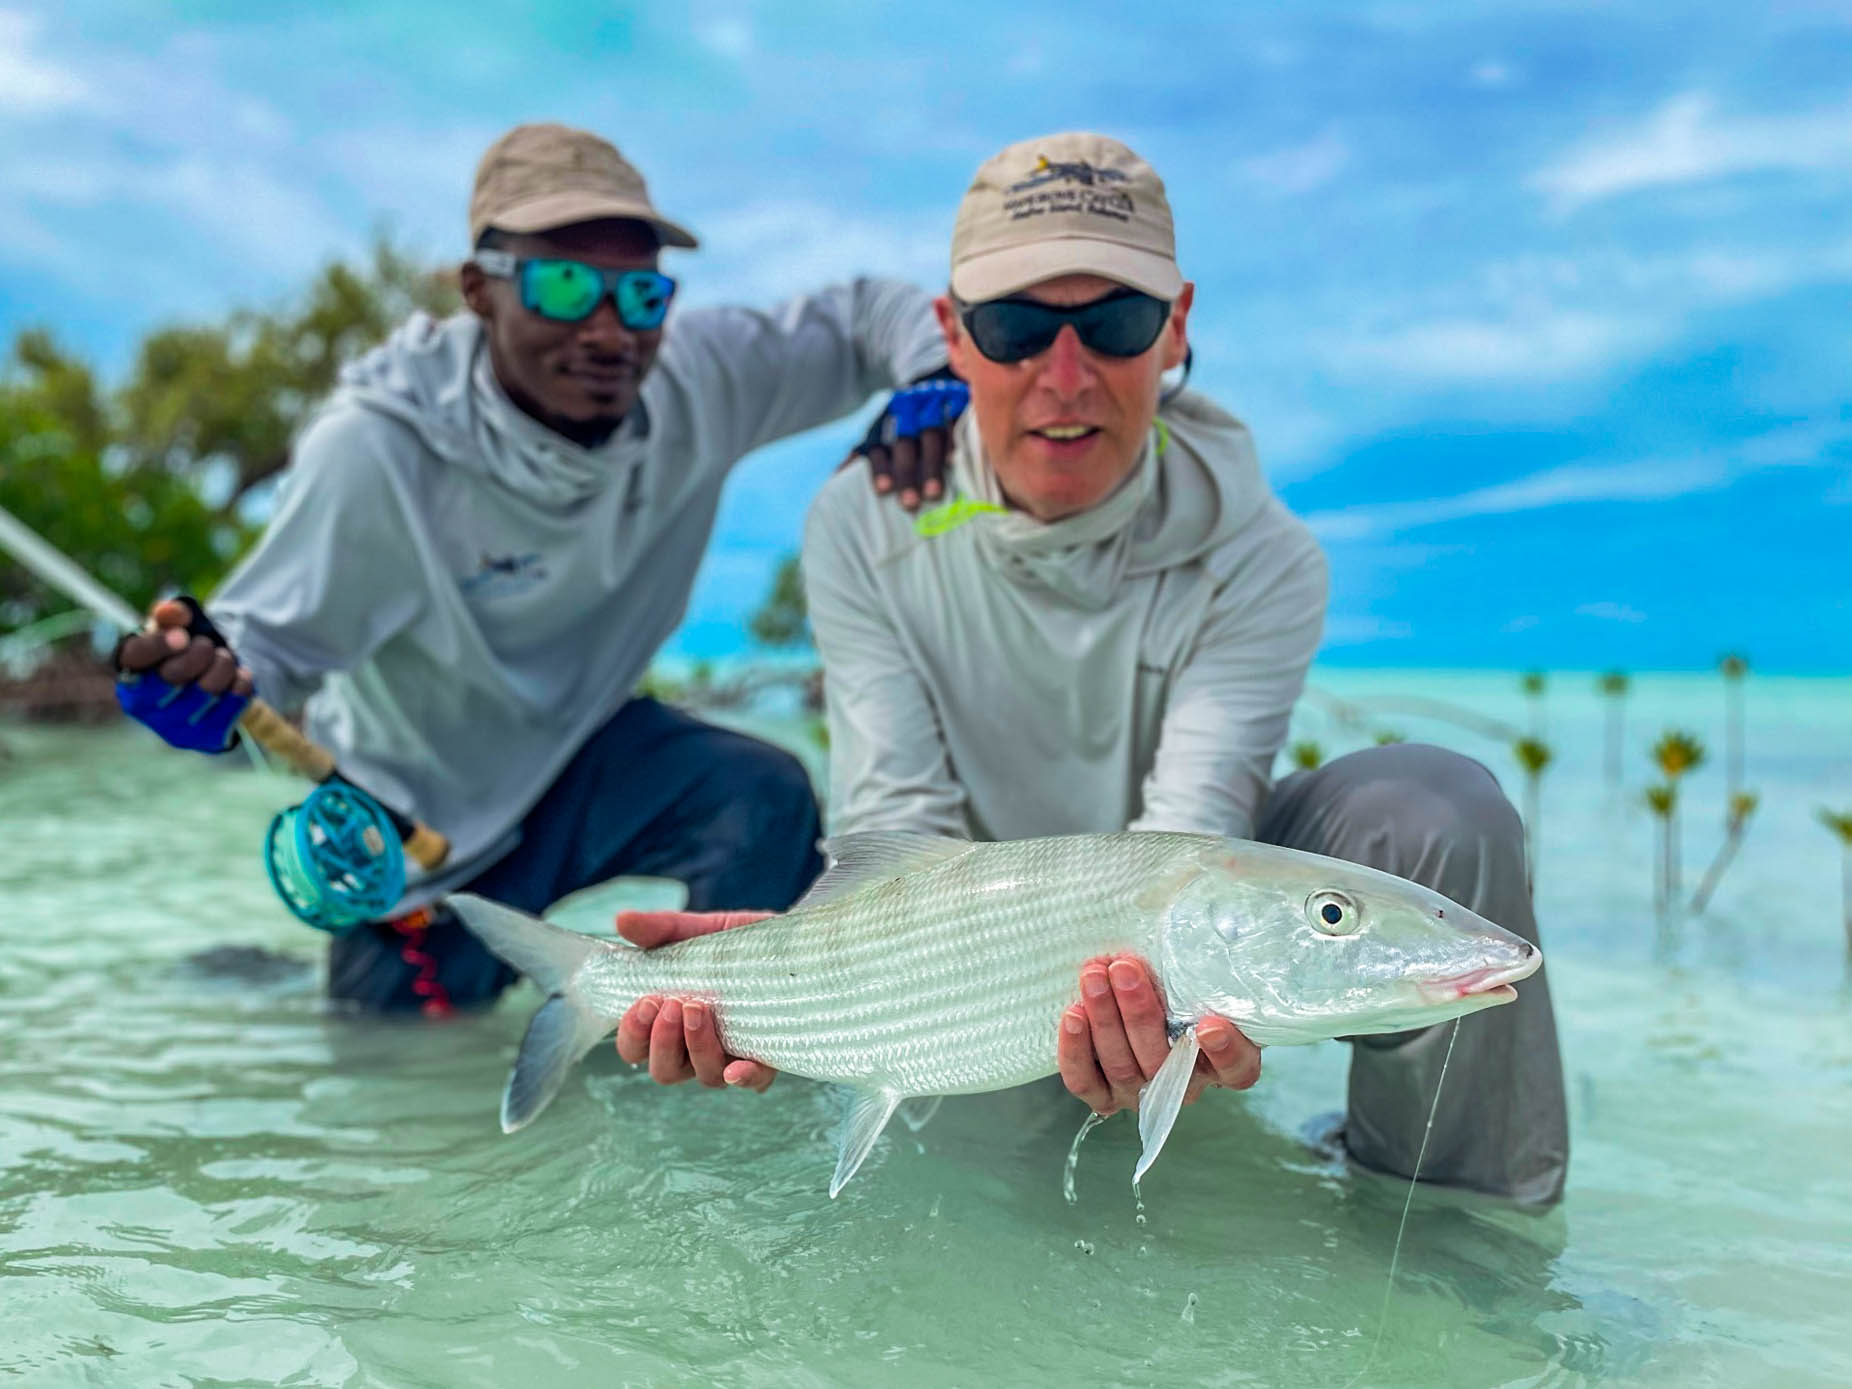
1533,756
1742,805
1306,754
1386,736
1733,667
1533,685
1613,688
1662,800
1841,825
1675,753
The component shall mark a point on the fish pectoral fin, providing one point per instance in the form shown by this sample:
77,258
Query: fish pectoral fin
856,860
868,1115
1162,1098
918,1112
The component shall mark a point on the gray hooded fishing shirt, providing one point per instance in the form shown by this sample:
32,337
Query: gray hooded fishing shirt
1132,666
464,596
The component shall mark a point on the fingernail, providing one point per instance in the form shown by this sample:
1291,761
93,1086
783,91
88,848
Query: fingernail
176,639
1094,984
1126,976
672,1012
1071,1023
883,485
909,498
646,1013
932,489
696,1016
1218,1039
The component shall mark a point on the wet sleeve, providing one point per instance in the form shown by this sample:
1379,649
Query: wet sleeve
889,769
760,375
335,573
1229,706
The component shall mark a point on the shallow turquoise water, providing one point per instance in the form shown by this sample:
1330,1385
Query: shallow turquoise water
206,1178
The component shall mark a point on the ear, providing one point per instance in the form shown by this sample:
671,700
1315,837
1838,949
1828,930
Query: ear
475,287
1176,332
957,345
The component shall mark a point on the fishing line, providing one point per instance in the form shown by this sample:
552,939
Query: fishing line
1382,1320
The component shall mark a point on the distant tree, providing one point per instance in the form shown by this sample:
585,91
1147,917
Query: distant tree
1840,823
1613,687
142,485
1675,754
1662,800
1533,756
236,392
783,619
1386,737
1306,755
1534,685
1733,667
1742,805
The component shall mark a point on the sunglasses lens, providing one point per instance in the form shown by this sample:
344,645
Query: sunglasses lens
1013,330
643,299
1123,326
1010,330
561,289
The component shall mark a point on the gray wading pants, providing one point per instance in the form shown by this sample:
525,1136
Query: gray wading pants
1439,819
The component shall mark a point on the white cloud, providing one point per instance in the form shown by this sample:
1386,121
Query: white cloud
1544,344
1490,72
767,251
1297,169
1639,480
1686,142
1349,629
728,38
1607,611
30,83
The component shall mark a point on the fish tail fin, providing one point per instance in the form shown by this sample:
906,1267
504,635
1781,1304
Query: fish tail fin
566,1027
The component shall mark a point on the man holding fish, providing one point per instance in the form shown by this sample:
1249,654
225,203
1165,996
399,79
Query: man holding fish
1105,627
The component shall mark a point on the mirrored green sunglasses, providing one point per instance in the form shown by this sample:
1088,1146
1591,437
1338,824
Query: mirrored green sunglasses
569,291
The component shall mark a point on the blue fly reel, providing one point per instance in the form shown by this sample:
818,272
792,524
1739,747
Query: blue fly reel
335,860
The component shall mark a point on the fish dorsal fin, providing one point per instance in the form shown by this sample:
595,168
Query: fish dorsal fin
1163,1097
860,860
867,1117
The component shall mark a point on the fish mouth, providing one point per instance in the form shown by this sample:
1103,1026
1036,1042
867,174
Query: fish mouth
1492,984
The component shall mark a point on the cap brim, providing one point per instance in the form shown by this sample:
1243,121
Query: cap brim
564,209
1011,269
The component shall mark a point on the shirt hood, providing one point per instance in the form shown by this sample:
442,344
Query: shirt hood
1196,482
435,376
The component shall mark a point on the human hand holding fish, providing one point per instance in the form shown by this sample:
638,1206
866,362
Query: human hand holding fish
1111,1045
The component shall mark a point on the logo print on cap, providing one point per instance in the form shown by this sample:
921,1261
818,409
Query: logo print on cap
1095,196
1070,170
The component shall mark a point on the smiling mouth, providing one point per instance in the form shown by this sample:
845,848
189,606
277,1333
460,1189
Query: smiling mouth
1065,433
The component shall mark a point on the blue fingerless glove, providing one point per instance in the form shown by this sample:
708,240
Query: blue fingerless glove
185,716
933,401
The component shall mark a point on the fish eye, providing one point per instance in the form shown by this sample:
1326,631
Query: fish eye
1332,913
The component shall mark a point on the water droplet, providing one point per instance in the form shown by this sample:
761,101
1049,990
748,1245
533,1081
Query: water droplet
1073,1157
1189,1309
1083,1246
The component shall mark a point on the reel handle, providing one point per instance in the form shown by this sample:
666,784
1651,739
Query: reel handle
423,845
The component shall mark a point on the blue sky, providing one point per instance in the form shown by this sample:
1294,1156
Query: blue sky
1539,316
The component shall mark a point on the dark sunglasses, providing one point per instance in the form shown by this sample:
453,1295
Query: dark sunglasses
1123,324
570,291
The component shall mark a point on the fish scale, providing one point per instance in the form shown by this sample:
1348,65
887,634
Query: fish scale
943,981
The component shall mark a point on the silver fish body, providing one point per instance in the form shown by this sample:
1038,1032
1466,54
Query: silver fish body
922,966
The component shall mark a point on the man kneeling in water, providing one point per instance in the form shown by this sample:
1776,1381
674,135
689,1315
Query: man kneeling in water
1105,628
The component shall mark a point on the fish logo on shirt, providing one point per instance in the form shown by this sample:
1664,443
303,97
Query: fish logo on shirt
503,576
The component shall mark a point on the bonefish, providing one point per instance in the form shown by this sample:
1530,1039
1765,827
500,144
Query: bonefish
922,966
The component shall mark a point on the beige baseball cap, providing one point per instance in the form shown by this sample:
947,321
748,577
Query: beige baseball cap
1064,204
537,177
